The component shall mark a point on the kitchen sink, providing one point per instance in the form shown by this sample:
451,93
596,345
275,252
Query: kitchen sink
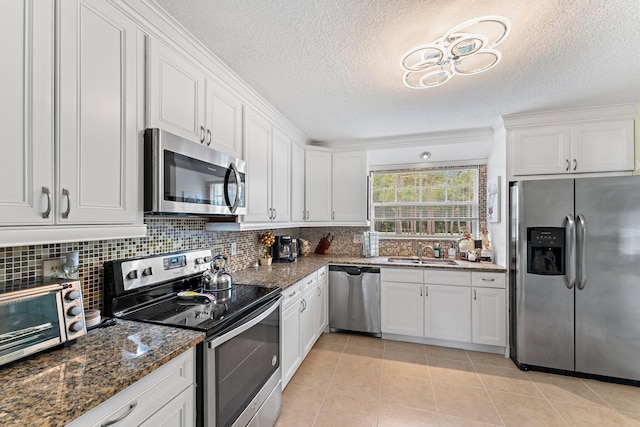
424,261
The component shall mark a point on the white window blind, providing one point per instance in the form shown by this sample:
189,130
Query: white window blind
433,203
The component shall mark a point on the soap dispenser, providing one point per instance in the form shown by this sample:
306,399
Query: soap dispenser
452,252
436,251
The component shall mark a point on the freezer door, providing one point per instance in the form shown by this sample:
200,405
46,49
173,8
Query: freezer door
544,309
608,287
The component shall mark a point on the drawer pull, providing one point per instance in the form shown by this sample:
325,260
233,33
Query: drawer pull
292,293
484,279
122,417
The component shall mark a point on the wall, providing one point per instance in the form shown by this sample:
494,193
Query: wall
163,235
497,167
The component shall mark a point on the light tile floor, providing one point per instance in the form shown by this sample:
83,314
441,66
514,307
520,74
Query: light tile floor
354,380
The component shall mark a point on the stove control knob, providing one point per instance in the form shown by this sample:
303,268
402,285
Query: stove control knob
147,271
133,274
74,311
76,326
71,295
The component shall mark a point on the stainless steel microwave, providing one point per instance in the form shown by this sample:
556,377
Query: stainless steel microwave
36,314
183,177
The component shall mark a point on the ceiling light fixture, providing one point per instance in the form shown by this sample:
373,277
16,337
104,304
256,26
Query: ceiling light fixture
466,49
425,155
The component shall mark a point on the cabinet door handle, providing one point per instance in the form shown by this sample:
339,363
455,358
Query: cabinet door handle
420,290
319,291
46,191
333,215
208,137
66,193
201,134
275,213
426,291
575,164
474,294
567,168
121,417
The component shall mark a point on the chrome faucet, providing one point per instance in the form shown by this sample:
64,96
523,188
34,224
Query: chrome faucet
422,249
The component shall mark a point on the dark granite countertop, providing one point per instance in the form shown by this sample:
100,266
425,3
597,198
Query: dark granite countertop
285,274
55,387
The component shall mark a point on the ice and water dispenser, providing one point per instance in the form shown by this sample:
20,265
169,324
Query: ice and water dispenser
545,250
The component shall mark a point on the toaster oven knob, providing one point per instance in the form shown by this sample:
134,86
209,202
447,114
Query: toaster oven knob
71,295
133,274
74,311
147,271
76,326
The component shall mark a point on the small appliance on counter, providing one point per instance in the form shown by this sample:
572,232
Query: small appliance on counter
36,314
285,249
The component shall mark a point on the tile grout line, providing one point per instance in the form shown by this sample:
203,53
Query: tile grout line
326,393
495,408
547,399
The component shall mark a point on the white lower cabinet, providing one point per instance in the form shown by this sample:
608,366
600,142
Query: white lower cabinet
447,312
457,306
488,309
165,397
304,317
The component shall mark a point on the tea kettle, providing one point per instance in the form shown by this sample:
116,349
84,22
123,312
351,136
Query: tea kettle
216,278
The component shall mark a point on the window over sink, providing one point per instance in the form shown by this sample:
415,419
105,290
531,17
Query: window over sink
439,202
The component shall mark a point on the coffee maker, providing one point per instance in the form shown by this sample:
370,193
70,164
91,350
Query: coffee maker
285,249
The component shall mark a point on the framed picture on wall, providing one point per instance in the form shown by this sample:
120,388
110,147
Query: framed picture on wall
493,199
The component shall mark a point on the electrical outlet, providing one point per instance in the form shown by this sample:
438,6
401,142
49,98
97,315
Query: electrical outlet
358,238
52,268
234,248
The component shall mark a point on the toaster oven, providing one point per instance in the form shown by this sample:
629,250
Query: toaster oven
36,314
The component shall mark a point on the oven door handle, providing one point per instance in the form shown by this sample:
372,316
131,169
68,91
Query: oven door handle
245,326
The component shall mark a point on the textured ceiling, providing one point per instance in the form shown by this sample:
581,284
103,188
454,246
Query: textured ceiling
332,66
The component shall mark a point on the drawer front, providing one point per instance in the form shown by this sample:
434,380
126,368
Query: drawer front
444,277
291,295
323,274
309,281
488,280
404,275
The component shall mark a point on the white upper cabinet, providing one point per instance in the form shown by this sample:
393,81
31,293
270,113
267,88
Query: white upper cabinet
223,119
298,212
280,176
98,142
349,187
597,140
26,84
267,153
176,93
95,137
317,186
184,100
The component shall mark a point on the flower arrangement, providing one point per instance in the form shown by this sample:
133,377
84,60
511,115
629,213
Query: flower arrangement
266,239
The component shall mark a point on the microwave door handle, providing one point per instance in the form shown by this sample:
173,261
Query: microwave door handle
236,202
582,246
570,238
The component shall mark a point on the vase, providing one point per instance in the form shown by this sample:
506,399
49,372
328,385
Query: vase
265,261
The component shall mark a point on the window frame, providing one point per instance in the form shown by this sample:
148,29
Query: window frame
477,204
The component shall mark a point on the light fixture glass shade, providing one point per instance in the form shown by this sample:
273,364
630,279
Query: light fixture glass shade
466,49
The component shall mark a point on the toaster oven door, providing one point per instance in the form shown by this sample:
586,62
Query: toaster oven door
30,324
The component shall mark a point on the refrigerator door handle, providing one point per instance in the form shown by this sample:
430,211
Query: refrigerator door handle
582,244
570,238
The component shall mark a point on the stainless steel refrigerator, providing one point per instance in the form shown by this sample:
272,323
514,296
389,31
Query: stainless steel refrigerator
575,275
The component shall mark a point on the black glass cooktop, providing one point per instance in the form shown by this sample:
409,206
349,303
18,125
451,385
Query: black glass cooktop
206,317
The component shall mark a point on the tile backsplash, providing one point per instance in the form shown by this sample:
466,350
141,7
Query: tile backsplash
163,235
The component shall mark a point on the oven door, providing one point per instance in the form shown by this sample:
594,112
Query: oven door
30,321
241,368
181,176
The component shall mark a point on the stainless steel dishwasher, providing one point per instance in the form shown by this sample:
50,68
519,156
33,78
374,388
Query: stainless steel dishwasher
354,298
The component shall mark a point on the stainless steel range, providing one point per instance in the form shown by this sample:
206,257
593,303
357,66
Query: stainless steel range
238,364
